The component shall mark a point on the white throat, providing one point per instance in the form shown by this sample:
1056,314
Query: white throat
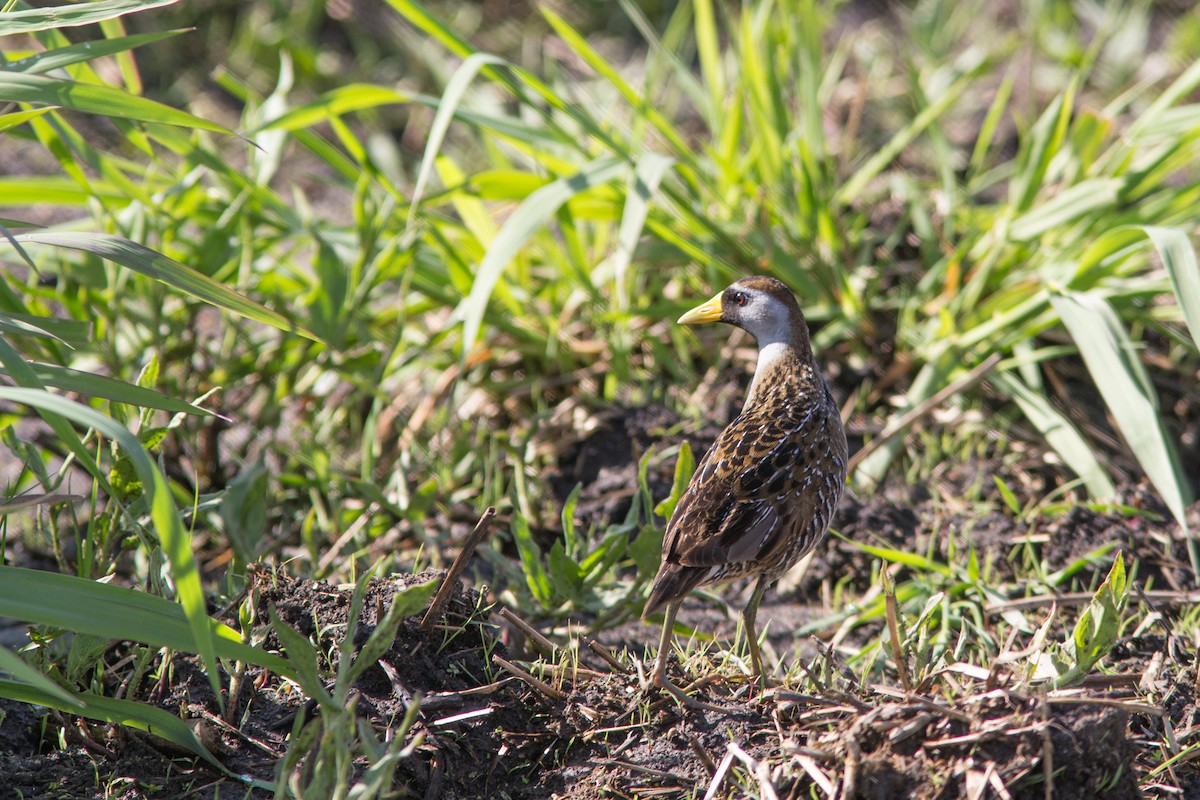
768,355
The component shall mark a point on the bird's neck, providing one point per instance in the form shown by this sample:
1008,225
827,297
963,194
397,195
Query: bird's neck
785,370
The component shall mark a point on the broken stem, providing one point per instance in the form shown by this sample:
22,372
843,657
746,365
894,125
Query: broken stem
482,528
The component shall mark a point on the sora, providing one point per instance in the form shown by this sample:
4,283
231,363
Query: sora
763,495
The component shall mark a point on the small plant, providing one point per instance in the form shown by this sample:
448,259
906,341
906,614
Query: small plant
572,576
326,749
1094,634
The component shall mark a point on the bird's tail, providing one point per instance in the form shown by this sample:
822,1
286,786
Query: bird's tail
672,582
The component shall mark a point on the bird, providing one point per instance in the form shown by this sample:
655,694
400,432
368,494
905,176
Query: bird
764,494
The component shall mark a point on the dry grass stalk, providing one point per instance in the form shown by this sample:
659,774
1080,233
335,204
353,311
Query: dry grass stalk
540,685
450,582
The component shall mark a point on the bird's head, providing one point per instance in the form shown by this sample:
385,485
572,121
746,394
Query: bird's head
760,305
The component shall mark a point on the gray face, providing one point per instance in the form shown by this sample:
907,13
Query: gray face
759,310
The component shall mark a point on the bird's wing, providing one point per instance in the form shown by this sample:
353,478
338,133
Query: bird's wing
747,496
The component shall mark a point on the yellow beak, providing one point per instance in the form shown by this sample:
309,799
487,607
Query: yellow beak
708,311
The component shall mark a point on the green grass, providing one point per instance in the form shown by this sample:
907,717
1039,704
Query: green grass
271,332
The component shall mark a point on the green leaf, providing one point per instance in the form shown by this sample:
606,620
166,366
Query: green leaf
118,613
1064,437
451,97
531,561
1179,259
643,183
987,131
10,504
530,216
243,510
20,371
124,480
20,118
1010,499
1039,147
85,51
647,552
12,664
140,258
31,20
91,98
567,519
412,599
122,712
685,465
334,103
1090,198
852,188
19,190
612,548
110,389
68,331
1111,359
580,45
709,50
176,543
566,579
148,377
901,557
1098,626
302,659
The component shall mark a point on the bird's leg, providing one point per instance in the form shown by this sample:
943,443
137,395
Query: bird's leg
748,617
659,676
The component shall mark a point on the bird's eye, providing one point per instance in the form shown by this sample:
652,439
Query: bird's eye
739,298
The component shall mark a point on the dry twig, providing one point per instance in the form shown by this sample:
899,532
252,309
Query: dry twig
540,685
450,582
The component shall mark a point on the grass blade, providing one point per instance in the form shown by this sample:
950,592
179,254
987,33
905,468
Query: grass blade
334,103
642,184
31,20
140,258
16,118
12,664
709,50
1111,359
533,213
876,163
1179,259
107,709
130,714
1038,148
1059,432
24,375
175,541
86,51
110,389
455,89
1092,197
115,612
531,561
91,98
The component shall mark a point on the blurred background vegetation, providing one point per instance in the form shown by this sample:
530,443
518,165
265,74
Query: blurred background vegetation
492,247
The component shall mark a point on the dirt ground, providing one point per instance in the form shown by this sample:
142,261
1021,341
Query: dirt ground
594,733
598,739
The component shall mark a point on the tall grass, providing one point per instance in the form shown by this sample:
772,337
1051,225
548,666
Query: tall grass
1093,211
